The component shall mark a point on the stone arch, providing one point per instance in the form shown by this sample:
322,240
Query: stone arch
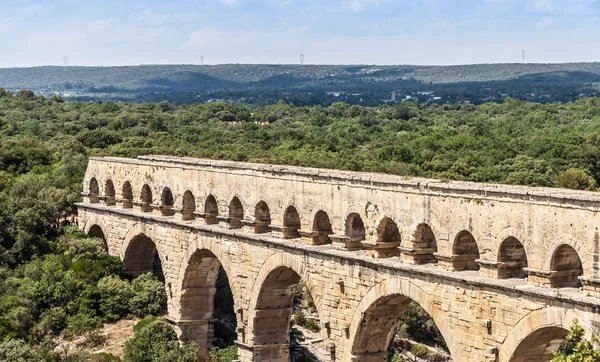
211,246
375,320
211,210
146,199
127,195
262,218
355,227
109,193
270,303
291,223
94,191
387,231
188,206
321,228
537,333
565,267
140,253
94,227
236,213
166,202
197,299
423,246
513,259
465,251
568,240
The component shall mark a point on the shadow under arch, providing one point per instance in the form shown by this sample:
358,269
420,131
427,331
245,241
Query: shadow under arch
271,302
537,334
376,319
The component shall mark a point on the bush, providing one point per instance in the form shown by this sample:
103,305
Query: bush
115,296
397,357
226,354
150,296
18,351
419,350
89,357
311,325
81,324
155,341
51,323
90,249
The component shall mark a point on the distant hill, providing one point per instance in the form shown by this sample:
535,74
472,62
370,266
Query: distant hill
241,81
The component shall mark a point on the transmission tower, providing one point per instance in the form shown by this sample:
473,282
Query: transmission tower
301,58
523,55
66,61
202,60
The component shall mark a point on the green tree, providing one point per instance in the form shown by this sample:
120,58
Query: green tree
576,348
576,179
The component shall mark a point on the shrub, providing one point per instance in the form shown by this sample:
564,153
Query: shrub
89,249
115,296
155,340
150,296
311,325
81,324
299,317
397,357
18,351
419,350
226,354
51,323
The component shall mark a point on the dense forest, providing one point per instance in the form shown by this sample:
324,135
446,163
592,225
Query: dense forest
366,85
55,281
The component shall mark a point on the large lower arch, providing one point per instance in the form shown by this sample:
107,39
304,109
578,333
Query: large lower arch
95,228
197,304
140,253
376,318
537,334
271,308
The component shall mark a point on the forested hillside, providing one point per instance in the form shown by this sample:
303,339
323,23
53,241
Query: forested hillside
54,281
310,84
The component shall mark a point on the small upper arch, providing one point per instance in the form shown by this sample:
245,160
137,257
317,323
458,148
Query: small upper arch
211,210
262,218
127,195
109,192
513,259
291,223
94,190
465,251
146,198
188,206
355,227
387,231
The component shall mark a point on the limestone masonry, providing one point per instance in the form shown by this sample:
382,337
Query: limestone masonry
502,270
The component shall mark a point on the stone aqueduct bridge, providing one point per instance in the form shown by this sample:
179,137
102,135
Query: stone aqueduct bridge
503,271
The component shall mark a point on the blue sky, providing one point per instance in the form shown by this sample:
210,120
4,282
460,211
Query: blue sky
128,32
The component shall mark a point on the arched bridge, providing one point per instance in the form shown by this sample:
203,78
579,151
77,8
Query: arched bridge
502,270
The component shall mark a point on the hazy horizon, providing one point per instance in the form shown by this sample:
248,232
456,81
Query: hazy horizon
334,32
292,64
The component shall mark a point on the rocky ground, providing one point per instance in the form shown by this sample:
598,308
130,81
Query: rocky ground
111,339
